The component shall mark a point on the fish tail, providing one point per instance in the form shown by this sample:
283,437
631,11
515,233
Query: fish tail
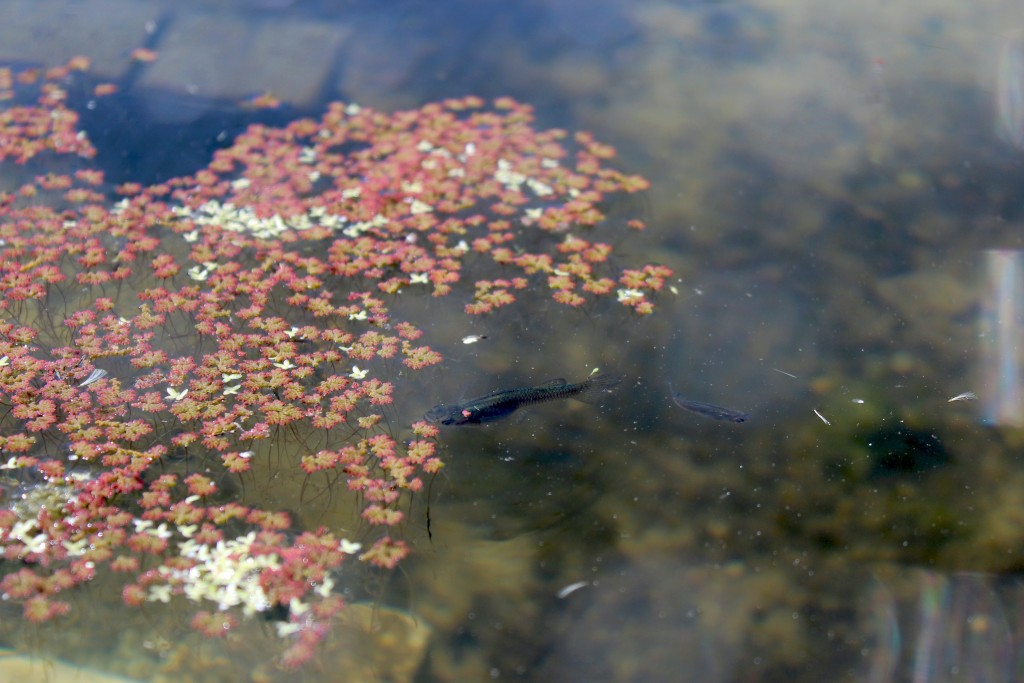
593,389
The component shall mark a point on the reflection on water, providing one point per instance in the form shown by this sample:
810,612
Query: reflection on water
927,626
1010,92
825,177
1002,338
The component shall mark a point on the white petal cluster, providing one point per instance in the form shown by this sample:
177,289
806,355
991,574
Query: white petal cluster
227,216
226,573
48,495
514,181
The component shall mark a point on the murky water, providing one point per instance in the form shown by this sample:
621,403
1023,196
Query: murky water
827,179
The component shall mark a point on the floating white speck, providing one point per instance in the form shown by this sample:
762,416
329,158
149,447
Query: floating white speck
473,338
820,416
37,544
965,396
571,588
287,628
348,547
540,189
198,274
142,524
325,588
160,593
857,400
176,395
160,532
629,294
76,548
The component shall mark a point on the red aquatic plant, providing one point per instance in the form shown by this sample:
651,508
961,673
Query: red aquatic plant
156,348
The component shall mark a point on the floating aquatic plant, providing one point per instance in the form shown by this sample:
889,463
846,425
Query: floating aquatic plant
157,350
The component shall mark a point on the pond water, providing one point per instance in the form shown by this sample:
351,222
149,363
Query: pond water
836,188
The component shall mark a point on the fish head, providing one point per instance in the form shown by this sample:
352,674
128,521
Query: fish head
446,414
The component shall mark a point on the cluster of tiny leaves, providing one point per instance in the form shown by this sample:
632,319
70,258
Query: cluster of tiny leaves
201,319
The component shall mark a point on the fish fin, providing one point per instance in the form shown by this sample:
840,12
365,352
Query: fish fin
521,415
597,387
551,383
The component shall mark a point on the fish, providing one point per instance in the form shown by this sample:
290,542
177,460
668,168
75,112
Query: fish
94,376
708,410
502,403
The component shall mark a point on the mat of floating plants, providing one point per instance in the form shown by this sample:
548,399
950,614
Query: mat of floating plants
162,346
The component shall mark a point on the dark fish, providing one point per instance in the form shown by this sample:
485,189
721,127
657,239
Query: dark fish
707,409
499,404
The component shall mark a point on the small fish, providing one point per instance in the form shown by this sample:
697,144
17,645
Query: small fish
94,376
499,404
707,409
571,588
966,396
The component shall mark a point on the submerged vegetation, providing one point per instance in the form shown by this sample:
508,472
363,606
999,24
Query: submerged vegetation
170,354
